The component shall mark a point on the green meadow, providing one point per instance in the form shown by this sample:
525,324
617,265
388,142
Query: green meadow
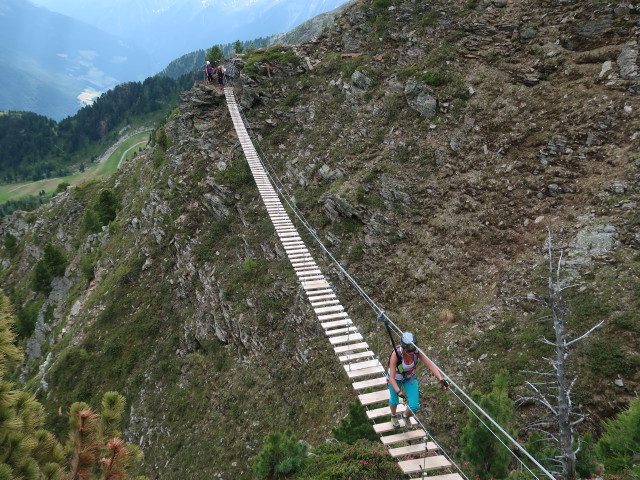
14,191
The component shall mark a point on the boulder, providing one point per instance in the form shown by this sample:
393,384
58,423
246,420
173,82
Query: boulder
336,207
593,28
421,99
528,34
628,63
360,81
350,44
249,97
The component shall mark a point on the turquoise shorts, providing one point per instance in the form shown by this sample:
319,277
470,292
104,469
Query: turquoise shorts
410,387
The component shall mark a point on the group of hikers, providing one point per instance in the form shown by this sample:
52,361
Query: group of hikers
208,70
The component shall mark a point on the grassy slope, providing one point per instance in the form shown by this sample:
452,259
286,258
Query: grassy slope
124,152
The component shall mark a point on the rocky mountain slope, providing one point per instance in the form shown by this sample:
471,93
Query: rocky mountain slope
431,146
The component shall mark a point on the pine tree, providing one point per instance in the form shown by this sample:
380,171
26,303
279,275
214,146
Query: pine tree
112,410
281,455
479,446
95,442
619,445
107,207
357,426
214,54
52,264
27,451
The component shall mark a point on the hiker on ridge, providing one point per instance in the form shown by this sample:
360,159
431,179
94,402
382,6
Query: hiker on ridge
220,74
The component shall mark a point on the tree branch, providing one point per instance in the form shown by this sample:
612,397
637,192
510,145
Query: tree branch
586,334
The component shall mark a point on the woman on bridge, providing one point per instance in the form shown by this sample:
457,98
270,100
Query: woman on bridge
402,374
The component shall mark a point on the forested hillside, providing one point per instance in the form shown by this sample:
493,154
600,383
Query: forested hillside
433,147
33,147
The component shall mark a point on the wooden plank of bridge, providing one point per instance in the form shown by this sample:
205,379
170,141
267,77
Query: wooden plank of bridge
374,397
403,437
424,464
384,411
356,356
345,338
413,449
376,382
338,331
364,372
447,476
360,365
385,427
351,348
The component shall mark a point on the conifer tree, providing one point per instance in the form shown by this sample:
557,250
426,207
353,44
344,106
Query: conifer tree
214,54
281,455
27,451
479,446
618,448
107,207
95,443
357,426
52,264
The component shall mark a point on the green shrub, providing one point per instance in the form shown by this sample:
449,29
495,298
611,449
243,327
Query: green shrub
337,461
87,264
356,427
619,445
281,456
488,457
159,157
10,244
52,264
107,207
607,359
26,317
434,78
381,5
237,175
292,99
62,187
100,212
585,458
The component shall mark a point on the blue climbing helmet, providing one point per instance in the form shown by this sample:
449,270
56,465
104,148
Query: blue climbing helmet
408,342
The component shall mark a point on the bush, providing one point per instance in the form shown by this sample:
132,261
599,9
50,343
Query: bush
52,264
62,187
26,318
488,457
433,78
363,460
607,359
10,244
100,213
619,445
356,427
281,456
585,458
87,265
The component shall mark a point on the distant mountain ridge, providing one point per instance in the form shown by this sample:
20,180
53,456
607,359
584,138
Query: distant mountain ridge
311,28
48,59
169,29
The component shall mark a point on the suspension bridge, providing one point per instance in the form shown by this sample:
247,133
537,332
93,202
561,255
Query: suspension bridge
415,449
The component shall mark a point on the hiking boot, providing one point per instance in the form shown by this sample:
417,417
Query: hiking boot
395,423
407,423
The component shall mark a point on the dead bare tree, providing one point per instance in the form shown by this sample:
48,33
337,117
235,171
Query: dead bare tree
554,389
